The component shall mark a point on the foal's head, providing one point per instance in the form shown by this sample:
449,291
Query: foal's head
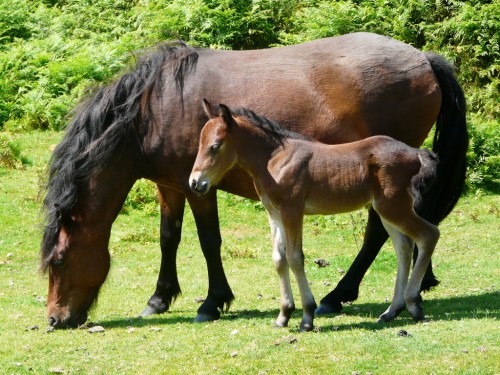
216,153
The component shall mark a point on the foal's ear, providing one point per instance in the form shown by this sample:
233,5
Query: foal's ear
226,115
209,111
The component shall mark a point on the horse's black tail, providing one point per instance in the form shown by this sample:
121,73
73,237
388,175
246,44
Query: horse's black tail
451,141
423,180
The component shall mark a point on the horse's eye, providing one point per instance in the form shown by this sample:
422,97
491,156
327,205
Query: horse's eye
215,147
58,263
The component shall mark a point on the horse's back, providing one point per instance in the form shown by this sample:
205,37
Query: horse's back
335,90
349,87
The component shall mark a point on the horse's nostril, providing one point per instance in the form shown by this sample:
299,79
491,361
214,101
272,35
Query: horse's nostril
53,321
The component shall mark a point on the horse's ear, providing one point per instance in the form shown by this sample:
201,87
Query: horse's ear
225,113
207,107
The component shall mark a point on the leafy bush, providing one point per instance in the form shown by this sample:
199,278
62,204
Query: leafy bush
51,51
142,196
10,153
484,156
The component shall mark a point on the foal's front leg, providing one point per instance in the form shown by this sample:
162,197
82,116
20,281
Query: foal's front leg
287,304
292,223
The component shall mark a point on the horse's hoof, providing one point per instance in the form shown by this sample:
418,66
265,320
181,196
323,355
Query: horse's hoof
327,309
202,318
148,311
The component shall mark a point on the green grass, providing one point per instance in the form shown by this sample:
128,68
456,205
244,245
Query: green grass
461,337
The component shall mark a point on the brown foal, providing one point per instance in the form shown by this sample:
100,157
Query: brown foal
295,175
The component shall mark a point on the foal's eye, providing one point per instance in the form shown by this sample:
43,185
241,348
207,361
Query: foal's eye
215,147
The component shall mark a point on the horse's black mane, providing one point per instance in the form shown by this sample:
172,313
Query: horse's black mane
272,128
100,125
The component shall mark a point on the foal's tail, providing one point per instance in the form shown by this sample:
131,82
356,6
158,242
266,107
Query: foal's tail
423,180
451,141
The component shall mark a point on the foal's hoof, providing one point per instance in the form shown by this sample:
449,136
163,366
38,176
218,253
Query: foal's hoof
386,318
417,313
328,309
307,327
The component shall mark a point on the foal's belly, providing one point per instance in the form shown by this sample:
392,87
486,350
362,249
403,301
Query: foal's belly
326,204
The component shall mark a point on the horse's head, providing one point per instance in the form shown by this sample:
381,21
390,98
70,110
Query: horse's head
77,266
216,154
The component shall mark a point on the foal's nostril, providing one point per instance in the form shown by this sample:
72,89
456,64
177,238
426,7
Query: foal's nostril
193,184
198,186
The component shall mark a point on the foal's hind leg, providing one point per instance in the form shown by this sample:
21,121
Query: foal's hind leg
403,246
402,217
426,239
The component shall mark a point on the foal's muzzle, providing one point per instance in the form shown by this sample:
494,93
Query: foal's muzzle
198,185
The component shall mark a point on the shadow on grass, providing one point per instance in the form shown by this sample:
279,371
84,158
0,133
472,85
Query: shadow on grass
475,306
167,318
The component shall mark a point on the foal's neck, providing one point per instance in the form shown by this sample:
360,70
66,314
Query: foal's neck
255,148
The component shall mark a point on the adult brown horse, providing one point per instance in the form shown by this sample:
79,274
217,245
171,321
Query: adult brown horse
147,124
295,176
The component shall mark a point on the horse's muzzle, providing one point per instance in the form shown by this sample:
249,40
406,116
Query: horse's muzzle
72,321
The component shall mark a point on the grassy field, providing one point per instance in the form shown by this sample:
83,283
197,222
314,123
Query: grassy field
462,335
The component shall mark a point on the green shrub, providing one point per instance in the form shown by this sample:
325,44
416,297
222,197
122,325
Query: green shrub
10,153
51,51
484,156
142,196
14,16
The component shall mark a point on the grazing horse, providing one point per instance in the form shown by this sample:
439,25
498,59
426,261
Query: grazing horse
146,124
295,175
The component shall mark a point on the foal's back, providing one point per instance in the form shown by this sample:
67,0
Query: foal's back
345,177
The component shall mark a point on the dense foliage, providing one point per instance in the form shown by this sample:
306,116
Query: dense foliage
52,51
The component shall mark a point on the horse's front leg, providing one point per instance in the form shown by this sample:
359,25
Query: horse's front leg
172,205
348,287
219,296
293,222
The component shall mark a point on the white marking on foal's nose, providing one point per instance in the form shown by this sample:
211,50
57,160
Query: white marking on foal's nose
197,183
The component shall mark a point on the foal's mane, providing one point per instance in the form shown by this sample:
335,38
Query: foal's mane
100,125
272,128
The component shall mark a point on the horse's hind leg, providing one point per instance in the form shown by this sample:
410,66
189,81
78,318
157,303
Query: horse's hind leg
348,287
167,287
403,246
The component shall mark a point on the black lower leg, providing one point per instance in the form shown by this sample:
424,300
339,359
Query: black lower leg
348,287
